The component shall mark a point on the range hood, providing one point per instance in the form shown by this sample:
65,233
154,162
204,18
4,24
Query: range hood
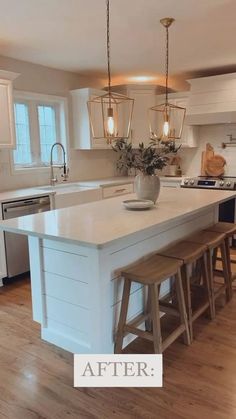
212,100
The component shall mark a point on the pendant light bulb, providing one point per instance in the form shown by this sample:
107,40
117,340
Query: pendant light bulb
110,122
166,125
110,126
166,129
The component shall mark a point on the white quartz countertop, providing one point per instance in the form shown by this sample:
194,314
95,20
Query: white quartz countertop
77,186
123,180
100,223
62,188
8,196
103,183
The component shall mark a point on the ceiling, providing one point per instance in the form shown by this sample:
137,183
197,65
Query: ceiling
70,35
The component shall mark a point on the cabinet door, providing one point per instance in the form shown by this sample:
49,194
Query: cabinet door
143,100
83,139
190,133
7,125
70,199
111,191
169,184
100,143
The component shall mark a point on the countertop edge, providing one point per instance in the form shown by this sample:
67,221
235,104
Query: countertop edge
101,245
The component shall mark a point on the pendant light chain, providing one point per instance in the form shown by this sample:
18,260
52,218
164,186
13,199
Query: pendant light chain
166,120
108,46
167,62
110,113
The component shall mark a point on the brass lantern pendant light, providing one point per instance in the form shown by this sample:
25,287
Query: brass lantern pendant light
110,114
166,120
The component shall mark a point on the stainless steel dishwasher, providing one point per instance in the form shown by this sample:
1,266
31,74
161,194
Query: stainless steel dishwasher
16,245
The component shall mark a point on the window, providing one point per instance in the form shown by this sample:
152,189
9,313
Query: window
47,130
39,122
23,151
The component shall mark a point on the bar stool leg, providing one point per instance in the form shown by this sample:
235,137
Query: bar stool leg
156,323
198,272
211,280
188,300
214,258
148,322
207,285
182,308
227,278
227,247
123,316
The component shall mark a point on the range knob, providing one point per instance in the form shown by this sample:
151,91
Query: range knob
186,181
222,183
192,182
228,184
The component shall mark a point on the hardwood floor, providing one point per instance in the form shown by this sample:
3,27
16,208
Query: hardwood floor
36,378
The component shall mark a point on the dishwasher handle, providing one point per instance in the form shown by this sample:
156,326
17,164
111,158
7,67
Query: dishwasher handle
36,207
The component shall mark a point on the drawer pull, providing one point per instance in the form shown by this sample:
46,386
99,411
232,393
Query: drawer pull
120,190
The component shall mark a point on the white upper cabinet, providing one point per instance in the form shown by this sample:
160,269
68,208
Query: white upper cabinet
83,138
190,133
7,124
144,98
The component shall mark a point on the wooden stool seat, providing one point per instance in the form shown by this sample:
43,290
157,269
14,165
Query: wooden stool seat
152,270
151,273
226,228
186,251
211,239
229,229
214,240
190,253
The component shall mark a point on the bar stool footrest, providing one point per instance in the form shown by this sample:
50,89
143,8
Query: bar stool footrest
199,311
138,332
173,336
168,308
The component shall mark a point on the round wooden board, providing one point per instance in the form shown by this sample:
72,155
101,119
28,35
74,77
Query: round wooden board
214,166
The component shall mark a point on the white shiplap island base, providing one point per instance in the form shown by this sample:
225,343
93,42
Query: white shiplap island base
76,254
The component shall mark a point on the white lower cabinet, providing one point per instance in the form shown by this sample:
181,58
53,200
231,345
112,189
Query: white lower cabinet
70,199
112,191
170,183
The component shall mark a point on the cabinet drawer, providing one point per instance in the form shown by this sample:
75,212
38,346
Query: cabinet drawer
117,190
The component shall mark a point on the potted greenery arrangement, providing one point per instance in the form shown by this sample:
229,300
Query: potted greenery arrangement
145,161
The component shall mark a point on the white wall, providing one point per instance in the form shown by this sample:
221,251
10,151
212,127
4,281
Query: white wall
215,135
40,79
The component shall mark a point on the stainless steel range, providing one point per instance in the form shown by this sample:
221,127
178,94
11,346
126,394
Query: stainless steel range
227,210
202,182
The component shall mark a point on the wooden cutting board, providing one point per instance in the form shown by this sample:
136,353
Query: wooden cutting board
206,155
215,165
212,164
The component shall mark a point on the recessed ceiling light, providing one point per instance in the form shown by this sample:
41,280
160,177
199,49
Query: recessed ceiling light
142,79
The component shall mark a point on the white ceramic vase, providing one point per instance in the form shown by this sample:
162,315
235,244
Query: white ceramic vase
147,187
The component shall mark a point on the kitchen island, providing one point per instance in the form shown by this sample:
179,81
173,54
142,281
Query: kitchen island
76,255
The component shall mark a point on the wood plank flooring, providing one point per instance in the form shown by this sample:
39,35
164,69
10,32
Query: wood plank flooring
36,378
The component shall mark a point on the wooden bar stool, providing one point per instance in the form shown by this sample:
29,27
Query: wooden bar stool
214,240
190,253
152,272
229,229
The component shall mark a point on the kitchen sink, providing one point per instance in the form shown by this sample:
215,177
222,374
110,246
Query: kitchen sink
63,187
